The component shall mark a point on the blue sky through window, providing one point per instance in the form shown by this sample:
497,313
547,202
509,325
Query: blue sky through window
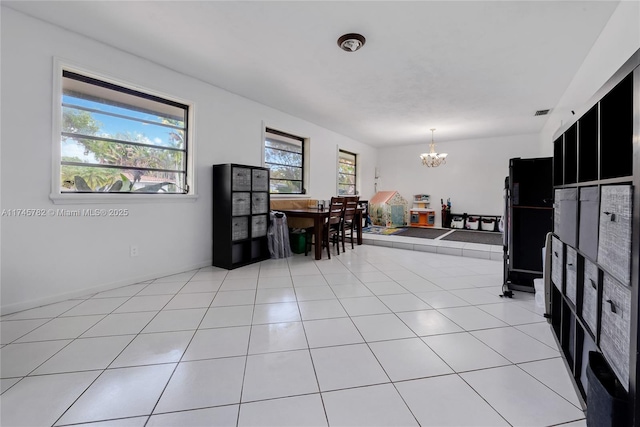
111,127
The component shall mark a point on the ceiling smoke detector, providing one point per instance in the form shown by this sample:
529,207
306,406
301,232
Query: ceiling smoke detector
351,42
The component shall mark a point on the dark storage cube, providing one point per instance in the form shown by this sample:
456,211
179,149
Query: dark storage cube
240,228
616,130
590,295
240,204
565,215
589,210
614,242
615,326
260,180
241,179
588,146
568,333
571,155
259,225
588,345
571,277
606,399
529,228
557,262
558,161
238,252
556,312
531,182
259,203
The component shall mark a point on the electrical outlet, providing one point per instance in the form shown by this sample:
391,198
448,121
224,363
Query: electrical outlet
133,251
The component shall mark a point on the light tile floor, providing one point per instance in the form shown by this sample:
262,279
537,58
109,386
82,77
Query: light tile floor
375,336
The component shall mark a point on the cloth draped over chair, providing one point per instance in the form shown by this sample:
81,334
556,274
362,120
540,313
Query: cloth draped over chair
278,235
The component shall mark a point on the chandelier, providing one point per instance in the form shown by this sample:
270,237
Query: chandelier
433,159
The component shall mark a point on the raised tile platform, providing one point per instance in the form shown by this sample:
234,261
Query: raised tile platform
447,247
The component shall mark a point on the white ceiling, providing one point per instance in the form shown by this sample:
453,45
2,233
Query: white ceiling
469,69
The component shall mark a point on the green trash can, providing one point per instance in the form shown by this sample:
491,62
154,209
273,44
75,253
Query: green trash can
298,241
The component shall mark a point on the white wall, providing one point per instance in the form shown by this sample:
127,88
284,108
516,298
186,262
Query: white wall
616,43
473,177
52,258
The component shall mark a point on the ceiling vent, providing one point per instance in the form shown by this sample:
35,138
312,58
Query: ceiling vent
542,112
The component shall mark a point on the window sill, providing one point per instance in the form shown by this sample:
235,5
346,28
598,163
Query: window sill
107,198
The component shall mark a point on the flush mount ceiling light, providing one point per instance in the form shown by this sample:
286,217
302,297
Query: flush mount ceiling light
433,159
351,42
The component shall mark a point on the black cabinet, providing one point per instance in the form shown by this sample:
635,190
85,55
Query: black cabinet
240,215
529,195
596,244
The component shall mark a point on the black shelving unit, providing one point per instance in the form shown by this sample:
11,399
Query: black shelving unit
462,221
240,215
529,193
596,244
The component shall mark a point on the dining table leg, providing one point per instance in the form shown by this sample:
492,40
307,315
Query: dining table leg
318,223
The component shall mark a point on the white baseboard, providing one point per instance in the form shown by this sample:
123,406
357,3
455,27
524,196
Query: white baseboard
26,305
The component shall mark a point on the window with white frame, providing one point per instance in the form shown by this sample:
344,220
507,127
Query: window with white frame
284,155
116,139
346,173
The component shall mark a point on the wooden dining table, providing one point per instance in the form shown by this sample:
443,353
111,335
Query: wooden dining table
319,217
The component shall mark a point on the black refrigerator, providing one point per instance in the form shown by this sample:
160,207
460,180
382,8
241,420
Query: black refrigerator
528,218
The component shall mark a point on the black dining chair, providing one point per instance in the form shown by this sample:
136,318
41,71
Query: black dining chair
349,220
333,224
